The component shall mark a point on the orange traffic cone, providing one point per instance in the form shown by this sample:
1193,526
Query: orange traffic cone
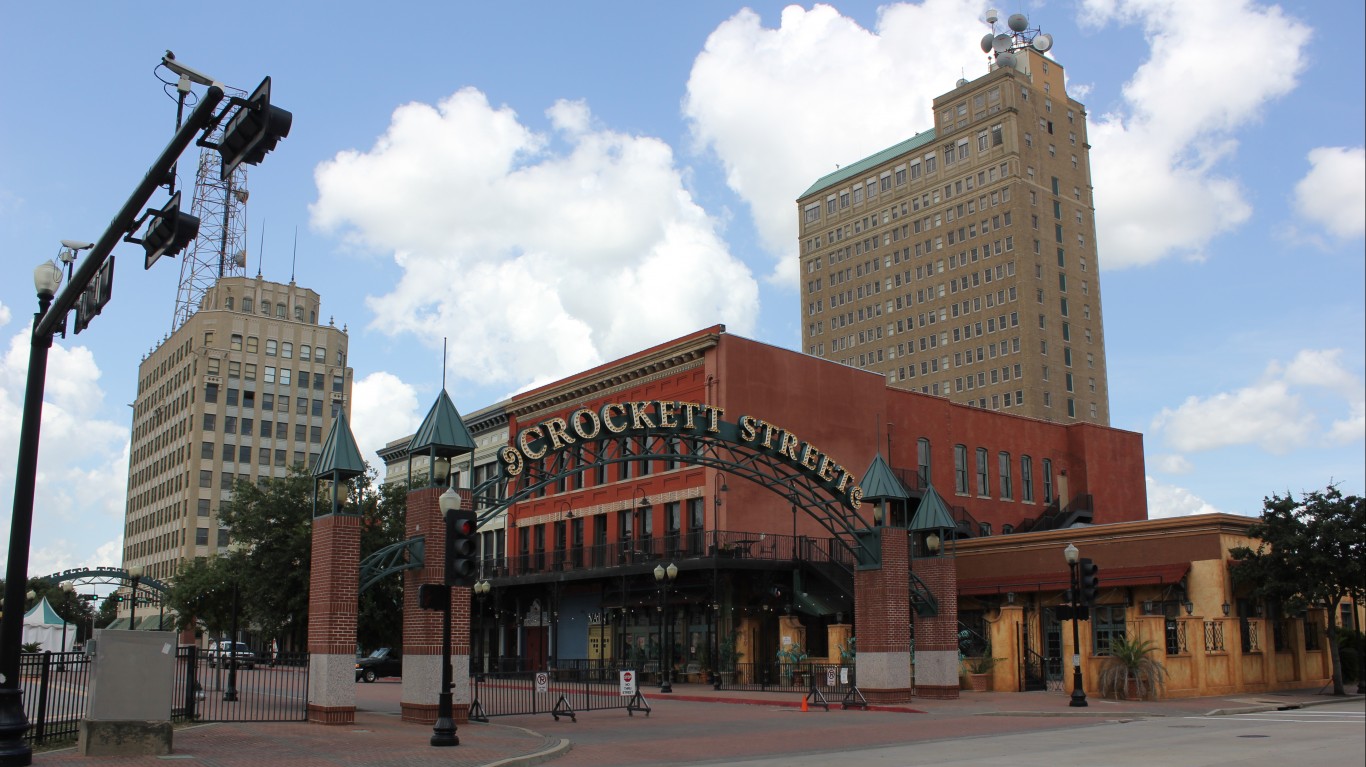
803,705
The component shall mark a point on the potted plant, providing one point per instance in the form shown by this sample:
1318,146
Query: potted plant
1132,670
979,672
728,656
789,657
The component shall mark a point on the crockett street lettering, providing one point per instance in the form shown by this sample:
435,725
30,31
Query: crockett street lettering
662,417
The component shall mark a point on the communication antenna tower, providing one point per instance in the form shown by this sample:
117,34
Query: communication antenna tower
1002,46
220,205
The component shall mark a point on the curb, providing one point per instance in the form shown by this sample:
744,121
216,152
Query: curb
1126,715
1280,706
539,757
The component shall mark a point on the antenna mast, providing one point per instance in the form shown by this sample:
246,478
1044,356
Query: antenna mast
221,207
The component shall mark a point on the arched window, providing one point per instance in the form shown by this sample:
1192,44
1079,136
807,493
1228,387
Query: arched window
227,303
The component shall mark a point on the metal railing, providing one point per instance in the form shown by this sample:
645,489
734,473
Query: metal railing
1176,637
832,679
54,685
1248,631
275,690
550,692
720,544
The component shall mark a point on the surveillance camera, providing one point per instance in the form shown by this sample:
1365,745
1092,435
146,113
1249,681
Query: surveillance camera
77,245
196,76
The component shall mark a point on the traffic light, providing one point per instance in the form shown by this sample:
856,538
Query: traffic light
253,131
462,549
433,596
1090,584
169,233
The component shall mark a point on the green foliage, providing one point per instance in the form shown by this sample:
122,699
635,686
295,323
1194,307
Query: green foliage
848,650
380,622
793,653
202,593
1311,552
1132,659
728,652
982,665
31,647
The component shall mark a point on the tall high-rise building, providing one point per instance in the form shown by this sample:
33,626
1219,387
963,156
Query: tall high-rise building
962,261
245,388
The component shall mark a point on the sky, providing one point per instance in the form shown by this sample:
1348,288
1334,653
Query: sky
553,185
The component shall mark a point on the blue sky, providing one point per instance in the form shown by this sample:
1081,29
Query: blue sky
553,185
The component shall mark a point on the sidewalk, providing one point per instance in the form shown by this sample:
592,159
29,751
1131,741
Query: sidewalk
754,721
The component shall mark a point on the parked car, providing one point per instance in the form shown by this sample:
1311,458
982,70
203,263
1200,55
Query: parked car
380,663
224,650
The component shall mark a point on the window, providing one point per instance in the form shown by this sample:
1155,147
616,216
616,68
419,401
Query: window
279,310
271,346
235,342
206,450
1003,466
1107,625
201,536
960,466
211,393
922,453
227,303
983,478
1048,480
253,345
1026,479
285,376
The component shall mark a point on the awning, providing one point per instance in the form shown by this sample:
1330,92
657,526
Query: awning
1146,575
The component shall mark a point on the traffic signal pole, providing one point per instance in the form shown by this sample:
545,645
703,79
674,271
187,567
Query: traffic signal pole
50,317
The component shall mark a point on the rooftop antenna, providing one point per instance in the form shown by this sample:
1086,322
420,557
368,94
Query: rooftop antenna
261,252
1002,46
295,257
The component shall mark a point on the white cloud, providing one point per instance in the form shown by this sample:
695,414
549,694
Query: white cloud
1156,160
1166,501
82,459
383,407
4,314
1171,463
782,107
1277,412
532,259
1333,193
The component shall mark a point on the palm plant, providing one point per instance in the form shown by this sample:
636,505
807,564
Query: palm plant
1132,659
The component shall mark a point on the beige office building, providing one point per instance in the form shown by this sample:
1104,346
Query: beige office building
246,388
962,261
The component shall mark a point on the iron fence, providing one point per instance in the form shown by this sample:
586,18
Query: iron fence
273,691
1176,637
54,686
550,692
833,680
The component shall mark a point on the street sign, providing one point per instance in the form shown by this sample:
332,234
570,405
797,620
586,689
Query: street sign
628,684
830,677
542,681
96,295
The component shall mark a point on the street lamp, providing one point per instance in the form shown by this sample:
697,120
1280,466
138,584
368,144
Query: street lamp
665,576
134,574
481,590
443,733
230,694
1073,556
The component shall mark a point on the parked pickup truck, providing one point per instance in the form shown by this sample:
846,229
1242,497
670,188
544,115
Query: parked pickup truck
222,651
380,663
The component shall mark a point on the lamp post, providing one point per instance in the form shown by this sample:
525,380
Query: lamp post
719,486
665,576
1073,556
443,732
134,574
230,694
481,590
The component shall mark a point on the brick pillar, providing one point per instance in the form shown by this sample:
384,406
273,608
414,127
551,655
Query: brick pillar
422,628
882,604
334,591
936,636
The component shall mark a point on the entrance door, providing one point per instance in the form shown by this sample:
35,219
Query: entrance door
537,647
1052,649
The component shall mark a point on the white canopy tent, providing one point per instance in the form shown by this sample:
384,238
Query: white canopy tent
43,625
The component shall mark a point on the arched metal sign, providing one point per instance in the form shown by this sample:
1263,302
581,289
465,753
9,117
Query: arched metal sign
681,433
106,576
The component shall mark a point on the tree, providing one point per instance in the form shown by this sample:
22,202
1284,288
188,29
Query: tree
271,526
379,623
1310,553
202,593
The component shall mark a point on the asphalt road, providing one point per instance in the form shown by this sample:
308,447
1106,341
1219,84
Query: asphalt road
1333,734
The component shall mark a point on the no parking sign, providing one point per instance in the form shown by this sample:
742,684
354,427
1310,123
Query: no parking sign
628,684
542,681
